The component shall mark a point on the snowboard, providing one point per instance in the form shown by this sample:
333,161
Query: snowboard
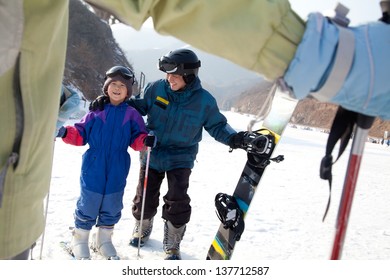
222,246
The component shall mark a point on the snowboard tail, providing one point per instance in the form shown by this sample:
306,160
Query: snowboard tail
224,241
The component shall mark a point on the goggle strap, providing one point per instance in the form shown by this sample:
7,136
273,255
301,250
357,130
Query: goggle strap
191,65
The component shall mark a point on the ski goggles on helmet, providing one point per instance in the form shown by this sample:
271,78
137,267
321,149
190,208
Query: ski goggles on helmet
167,65
126,73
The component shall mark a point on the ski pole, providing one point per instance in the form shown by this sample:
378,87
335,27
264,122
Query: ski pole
44,229
143,199
46,213
362,128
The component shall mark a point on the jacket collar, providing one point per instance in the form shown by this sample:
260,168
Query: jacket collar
184,93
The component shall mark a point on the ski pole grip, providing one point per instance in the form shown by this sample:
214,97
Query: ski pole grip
385,7
150,140
364,121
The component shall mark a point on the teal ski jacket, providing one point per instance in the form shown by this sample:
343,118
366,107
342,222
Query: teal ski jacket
177,118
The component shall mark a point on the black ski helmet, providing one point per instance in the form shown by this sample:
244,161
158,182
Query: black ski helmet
182,62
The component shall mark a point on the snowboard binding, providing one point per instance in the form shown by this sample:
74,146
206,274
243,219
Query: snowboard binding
260,148
230,214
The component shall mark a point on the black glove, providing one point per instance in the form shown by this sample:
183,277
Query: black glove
62,132
241,140
99,102
150,141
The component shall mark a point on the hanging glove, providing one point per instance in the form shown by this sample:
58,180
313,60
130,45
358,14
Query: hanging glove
62,132
99,102
150,140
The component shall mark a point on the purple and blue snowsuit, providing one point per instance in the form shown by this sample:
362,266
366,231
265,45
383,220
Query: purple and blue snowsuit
106,164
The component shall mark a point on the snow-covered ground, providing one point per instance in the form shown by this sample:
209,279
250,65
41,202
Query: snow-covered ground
284,221
284,228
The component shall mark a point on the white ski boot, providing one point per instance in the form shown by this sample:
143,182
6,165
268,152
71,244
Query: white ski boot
102,243
172,238
79,244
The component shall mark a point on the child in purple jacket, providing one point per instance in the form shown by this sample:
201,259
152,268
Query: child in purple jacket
106,164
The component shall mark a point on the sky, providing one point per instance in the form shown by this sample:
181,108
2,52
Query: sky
360,10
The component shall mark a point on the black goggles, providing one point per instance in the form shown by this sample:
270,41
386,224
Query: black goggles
166,65
120,70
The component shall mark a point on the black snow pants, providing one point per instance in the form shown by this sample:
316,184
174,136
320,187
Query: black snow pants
176,208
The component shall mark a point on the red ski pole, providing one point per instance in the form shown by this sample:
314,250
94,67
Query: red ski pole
361,131
143,199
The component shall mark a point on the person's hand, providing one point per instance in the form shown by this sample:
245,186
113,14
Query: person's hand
252,142
150,140
62,132
241,139
99,102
